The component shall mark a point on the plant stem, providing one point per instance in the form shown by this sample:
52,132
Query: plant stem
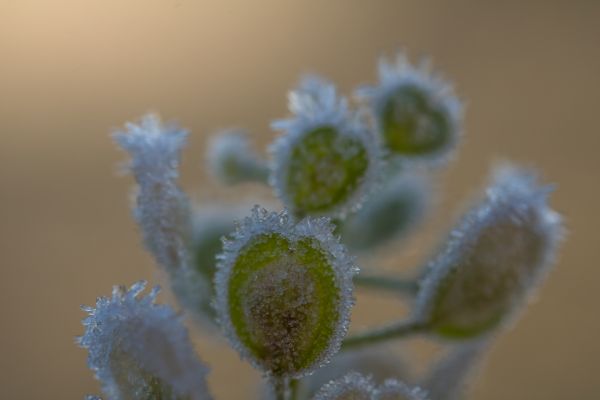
280,386
407,286
394,331
294,385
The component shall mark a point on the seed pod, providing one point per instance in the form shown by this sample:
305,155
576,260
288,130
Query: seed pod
284,292
492,260
326,160
352,386
232,161
140,350
416,112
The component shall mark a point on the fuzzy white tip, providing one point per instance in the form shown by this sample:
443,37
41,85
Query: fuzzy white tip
161,208
316,104
137,347
351,386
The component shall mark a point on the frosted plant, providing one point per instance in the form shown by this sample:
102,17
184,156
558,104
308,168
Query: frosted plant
351,177
140,350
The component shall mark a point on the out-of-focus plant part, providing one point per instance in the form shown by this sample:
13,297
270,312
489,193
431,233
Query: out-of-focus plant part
280,284
232,160
326,161
284,292
139,350
416,112
493,260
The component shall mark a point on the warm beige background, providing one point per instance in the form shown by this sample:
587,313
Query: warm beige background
70,70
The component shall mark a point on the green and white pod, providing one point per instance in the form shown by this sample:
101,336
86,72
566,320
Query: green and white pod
327,160
284,292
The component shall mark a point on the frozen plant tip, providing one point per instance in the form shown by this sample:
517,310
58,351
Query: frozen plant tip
493,259
355,386
284,292
231,159
396,390
416,112
139,350
162,209
326,161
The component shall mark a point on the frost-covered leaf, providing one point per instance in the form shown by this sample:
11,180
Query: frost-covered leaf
140,350
284,292
326,161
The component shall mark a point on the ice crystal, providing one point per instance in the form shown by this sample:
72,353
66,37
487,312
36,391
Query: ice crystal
232,160
284,292
416,112
140,350
352,386
492,259
327,160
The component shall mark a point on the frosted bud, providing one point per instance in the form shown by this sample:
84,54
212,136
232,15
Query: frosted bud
326,161
352,386
492,260
161,209
379,362
232,160
394,211
140,350
396,390
416,112
284,292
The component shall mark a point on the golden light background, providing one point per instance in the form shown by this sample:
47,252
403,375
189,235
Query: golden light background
72,70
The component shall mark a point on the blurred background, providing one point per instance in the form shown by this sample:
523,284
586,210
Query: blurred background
71,71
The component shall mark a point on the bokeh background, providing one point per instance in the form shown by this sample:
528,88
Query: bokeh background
72,70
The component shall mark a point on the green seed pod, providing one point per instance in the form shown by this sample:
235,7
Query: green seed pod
326,161
492,260
416,112
284,292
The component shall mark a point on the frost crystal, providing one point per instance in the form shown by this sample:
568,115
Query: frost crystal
394,211
284,292
493,259
232,160
327,160
352,386
396,390
140,350
416,111
162,209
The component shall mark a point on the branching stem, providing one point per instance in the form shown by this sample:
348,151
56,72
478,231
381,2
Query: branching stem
405,286
397,330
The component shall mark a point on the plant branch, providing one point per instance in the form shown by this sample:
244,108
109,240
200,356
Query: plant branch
397,330
405,286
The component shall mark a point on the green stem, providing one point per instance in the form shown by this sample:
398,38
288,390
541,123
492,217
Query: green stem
397,330
407,286
280,386
294,385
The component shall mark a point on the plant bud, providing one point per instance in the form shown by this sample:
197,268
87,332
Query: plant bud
416,112
284,292
232,161
326,161
492,260
140,350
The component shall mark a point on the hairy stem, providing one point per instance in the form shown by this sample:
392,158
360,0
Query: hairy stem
397,330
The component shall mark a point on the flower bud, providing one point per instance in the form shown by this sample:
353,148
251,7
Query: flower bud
416,112
393,212
492,260
284,292
326,160
232,161
140,350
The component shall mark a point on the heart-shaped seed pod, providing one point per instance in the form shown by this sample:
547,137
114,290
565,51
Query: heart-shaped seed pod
284,292
417,114
493,259
326,161
140,350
